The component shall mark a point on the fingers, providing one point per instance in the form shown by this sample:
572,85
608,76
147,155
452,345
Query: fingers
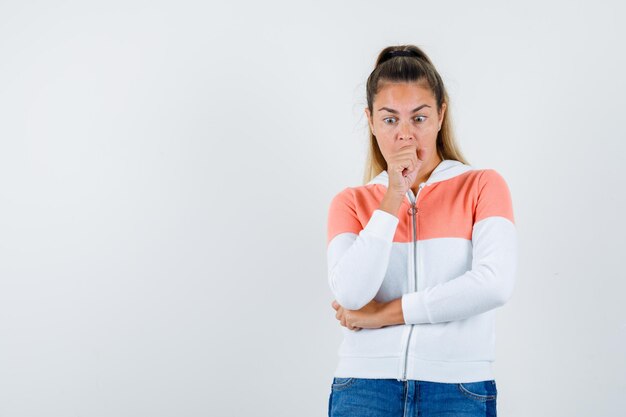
407,158
349,326
341,317
409,145
338,309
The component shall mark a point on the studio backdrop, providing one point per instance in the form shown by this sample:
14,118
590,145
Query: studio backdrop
166,170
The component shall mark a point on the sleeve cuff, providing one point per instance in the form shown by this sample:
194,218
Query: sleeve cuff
414,308
382,225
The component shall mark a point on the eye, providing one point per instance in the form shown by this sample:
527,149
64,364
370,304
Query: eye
424,118
388,118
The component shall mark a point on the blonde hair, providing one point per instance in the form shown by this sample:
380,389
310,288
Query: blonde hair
415,68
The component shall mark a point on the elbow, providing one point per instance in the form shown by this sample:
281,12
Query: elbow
347,298
504,291
498,283
501,298
350,303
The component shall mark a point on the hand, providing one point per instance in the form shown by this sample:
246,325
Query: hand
403,167
368,317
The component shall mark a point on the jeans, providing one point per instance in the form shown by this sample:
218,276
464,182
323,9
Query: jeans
364,397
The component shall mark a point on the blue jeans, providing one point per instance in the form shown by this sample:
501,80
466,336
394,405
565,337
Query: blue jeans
364,397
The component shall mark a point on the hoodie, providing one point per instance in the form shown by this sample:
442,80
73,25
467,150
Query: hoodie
450,254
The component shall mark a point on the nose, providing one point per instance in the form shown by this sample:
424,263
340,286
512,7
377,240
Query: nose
406,133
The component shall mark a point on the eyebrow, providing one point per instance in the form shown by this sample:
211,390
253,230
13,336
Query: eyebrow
396,112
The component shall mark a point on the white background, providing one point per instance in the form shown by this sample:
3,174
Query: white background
166,170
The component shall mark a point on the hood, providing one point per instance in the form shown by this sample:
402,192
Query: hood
446,169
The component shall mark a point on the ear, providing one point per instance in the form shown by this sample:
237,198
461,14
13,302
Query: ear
442,112
369,119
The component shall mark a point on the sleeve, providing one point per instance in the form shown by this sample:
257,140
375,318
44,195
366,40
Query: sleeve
357,256
489,284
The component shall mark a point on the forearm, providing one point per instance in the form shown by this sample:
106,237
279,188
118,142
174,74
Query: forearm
487,285
391,313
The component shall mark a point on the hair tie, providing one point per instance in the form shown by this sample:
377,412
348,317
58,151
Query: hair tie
401,53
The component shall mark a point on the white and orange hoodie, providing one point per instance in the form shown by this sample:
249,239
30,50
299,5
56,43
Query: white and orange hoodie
451,254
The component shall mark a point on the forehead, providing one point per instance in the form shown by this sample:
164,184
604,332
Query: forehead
403,95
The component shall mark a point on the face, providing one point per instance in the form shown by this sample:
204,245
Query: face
405,113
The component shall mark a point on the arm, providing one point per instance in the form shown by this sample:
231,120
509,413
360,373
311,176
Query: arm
358,256
489,284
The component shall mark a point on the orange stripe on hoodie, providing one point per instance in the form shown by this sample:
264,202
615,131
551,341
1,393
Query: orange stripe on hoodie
443,207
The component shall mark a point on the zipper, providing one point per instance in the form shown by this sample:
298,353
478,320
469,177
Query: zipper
413,211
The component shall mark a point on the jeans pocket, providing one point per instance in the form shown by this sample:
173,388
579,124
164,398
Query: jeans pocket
480,391
340,383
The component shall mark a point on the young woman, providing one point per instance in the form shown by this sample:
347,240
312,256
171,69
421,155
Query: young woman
419,258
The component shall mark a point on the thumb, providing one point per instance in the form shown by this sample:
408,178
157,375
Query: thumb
421,150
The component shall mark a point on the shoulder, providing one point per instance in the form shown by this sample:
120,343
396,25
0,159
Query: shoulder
485,174
352,208
490,174
487,177
492,181
342,214
361,195
343,198
493,195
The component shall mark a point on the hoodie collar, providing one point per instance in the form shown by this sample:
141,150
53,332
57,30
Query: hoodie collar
446,169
